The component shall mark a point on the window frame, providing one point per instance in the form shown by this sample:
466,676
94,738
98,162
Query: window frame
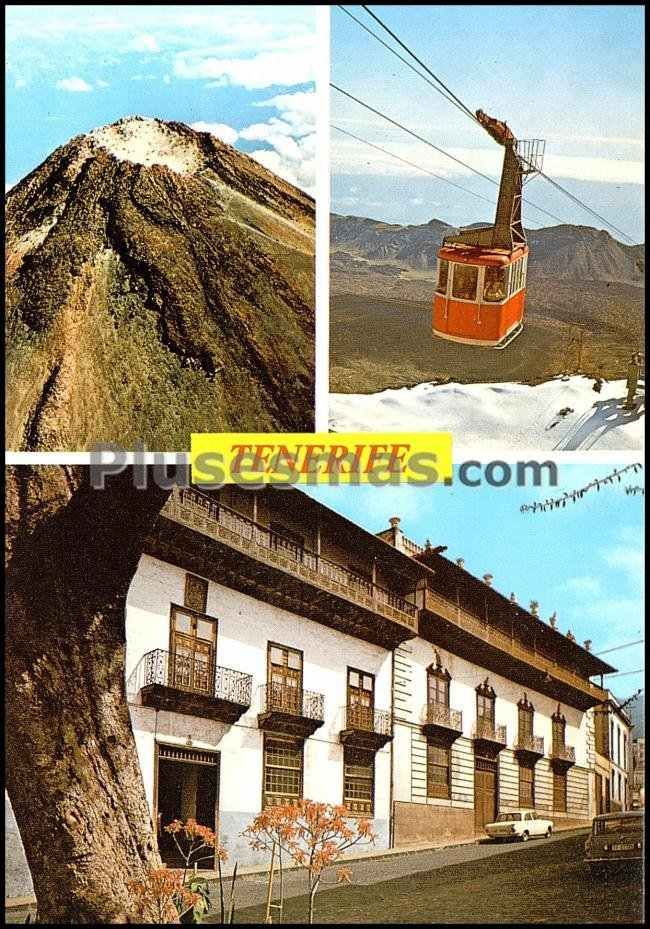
436,790
349,762
299,745
285,673
442,677
441,261
504,269
527,799
526,713
486,696
559,777
191,579
478,287
190,640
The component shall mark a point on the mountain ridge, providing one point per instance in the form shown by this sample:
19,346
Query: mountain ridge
565,251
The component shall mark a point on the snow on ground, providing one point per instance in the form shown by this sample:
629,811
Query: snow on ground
147,141
491,416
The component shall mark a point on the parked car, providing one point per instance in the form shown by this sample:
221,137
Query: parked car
520,824
616,839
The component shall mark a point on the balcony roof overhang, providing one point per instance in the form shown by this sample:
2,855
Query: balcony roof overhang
452,580
444,632
222,560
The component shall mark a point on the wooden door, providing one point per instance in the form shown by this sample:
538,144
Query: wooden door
361,700
193,650
485,792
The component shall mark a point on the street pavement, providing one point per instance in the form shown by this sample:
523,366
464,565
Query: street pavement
544,880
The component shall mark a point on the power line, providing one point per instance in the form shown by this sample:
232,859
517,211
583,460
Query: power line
436,148
412,164
624,673
584,206
618,647
410,132
402,59
456,101
383,25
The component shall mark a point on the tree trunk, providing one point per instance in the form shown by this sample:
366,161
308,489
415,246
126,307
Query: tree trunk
72,769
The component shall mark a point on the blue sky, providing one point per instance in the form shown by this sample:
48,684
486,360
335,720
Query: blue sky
573,75
584,561
245,73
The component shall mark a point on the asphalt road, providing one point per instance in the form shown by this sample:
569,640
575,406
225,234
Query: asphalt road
542,881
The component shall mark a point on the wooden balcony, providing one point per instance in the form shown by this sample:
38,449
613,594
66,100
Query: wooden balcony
489,738
200,534
450,626
183,684
366,728
529,748
562,756
290,710
441,722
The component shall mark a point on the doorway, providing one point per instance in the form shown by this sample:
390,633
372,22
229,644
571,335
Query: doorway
187,788
485,792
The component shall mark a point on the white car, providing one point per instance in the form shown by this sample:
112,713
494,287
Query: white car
520,824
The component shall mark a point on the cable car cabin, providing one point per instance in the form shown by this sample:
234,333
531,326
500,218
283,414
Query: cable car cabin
481,286
480,294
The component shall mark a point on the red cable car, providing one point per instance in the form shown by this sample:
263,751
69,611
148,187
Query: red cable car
481,286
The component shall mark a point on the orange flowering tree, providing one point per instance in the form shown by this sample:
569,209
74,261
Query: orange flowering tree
314,835
164,895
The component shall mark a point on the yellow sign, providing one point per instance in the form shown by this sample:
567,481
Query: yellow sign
321,458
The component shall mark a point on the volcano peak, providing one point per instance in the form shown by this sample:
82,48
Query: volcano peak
148,141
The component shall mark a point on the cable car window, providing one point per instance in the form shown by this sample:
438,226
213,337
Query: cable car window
495,287
516,276
464,282
443,276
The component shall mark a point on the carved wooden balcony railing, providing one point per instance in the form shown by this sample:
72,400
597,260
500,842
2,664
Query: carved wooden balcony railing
488,737
510,645
213,518
191,685
442,721
529,746
290,710
366,727
562,756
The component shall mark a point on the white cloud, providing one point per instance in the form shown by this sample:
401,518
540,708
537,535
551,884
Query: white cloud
353,158
144,43
220,130
292,137
583,585
102,84
286,68
73,85
19,83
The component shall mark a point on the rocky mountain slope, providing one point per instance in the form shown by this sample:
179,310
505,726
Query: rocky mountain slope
159,282
567,252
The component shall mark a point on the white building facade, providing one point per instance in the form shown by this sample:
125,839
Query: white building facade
239,699
613,740
276,650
